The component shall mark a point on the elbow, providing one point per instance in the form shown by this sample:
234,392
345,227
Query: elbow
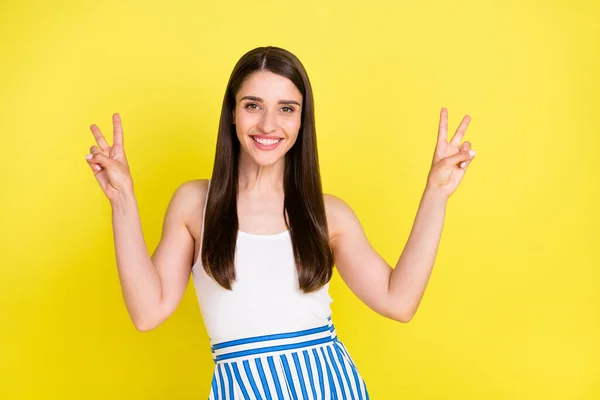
144,327
145,324
401,315
405,318
402,318
150,319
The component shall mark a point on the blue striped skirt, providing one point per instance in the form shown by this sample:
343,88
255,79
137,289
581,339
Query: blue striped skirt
308,364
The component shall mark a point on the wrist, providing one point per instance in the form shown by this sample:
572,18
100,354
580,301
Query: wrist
123,200
436,194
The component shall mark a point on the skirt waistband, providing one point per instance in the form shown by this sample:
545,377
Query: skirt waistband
274,343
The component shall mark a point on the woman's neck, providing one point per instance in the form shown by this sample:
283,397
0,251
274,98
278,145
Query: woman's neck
256,178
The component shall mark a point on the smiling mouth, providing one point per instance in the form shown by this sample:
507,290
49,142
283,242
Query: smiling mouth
266,142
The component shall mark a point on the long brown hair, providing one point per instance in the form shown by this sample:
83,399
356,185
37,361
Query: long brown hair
303,192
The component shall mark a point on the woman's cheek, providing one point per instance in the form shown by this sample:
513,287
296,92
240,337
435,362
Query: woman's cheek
292,126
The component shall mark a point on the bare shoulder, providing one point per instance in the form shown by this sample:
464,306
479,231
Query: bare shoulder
192,189
338,213
188,199
190,194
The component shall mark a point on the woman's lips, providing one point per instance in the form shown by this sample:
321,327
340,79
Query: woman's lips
263,146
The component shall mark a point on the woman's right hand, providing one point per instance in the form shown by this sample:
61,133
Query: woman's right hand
109,163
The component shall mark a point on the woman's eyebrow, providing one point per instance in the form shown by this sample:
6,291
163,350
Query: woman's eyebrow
254,98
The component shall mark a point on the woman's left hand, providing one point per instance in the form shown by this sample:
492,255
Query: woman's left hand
450,160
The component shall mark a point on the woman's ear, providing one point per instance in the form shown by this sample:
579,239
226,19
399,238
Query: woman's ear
233,116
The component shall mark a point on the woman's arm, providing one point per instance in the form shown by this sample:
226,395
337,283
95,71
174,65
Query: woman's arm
394,293
153,286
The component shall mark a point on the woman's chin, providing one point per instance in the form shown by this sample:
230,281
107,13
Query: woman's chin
265,159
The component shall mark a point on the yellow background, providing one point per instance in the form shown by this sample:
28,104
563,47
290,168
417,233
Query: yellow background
512,310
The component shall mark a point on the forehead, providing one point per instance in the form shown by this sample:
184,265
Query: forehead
269,86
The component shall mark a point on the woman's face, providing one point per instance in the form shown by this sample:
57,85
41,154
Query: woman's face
267,116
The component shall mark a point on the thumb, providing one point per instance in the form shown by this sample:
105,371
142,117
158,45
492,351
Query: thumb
460,156
103,160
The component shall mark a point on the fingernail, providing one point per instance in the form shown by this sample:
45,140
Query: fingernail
89,156
472,153
462,164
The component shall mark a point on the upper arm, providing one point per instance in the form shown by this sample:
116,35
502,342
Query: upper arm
173,257
365,272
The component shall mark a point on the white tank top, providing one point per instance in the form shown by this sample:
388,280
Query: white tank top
265,297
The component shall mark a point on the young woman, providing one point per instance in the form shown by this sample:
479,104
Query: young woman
260,240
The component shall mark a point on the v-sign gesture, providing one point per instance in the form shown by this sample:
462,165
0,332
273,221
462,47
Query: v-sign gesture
450,159
109,162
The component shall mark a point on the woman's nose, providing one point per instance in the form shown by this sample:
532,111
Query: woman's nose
268,122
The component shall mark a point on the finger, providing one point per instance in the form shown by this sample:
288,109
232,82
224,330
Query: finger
466,146
460,132
93,165
465,164
459,157
117,130
95,149
103,160
99,137
443,126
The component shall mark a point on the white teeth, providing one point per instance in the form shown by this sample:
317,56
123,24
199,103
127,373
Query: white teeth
266,141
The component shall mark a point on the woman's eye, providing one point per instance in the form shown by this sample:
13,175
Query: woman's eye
254,106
